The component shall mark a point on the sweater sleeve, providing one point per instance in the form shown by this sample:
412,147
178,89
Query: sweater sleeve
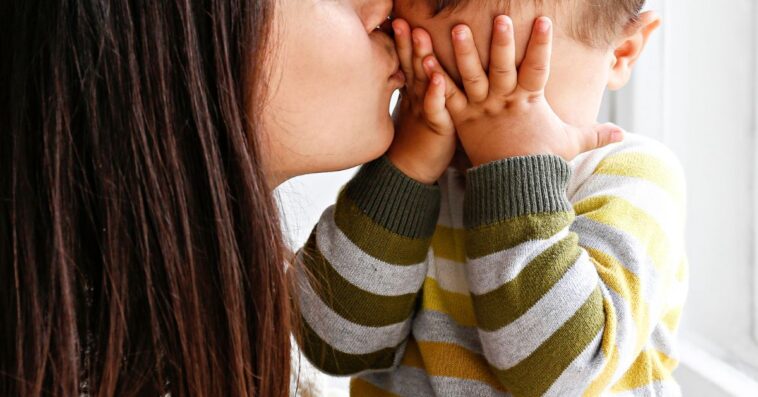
359,274
569,295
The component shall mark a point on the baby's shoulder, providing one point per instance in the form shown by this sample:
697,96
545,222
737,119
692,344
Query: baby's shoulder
636,155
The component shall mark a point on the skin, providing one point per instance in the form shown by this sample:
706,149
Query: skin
331,87
578,74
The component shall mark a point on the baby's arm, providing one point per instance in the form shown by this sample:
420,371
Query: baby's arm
567,294
360,272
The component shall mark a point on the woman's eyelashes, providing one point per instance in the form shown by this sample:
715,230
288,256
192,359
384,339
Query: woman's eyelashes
377,14
386,27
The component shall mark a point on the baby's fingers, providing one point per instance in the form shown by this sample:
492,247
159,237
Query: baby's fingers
502,74
469,64
455,100
434,106
404,47
535,68
422,47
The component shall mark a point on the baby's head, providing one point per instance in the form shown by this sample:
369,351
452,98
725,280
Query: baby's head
595,46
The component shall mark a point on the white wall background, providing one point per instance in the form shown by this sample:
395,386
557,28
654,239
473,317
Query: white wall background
695,89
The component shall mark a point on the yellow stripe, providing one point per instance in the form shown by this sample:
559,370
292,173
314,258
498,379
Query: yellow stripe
412,356
450,360
449,243
650,366
458,306
361,388
627,285
610,352
618,213
644,166
671,318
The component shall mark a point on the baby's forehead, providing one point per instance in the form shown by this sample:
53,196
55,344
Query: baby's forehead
478,11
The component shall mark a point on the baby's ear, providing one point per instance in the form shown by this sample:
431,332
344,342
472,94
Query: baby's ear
629,47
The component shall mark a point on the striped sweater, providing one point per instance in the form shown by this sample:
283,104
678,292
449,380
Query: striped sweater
527,276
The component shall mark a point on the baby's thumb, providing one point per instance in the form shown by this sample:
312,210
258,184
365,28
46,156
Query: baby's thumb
601,135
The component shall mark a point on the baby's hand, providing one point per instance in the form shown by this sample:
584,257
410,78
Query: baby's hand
506,114
425,138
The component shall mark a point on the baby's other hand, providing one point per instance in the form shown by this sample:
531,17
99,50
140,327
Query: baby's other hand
425,138
505,113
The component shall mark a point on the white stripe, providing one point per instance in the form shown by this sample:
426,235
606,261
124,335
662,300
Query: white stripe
490,272
678,294
585,164
340,333
450,275
642,194
508,346
361,269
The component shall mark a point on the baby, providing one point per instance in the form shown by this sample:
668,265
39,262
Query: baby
543,256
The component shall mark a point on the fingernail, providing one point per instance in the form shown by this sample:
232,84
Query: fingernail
616,135
459,33
429,63
397,30
543,25
502,24
436,79
416,41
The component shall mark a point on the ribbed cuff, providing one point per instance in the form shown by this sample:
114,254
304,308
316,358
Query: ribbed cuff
395,201
516,186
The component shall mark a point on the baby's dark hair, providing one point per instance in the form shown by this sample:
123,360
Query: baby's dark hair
594,22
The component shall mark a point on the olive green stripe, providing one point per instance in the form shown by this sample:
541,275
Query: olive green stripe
534,375
334,362
487,240
349,301
500,307
377,241
395,201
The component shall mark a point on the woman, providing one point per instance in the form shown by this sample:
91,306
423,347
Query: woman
140,250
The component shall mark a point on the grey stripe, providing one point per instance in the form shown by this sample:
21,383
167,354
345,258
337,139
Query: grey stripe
340,333
490,272
663,340
415,382
633,256
626,332
509,345
452,189
625,344
434,326
361,269
623,247
403,381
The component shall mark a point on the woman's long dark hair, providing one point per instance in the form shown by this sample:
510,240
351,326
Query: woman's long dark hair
140,249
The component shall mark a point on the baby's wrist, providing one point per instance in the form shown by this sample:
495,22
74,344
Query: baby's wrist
491,153
414,168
